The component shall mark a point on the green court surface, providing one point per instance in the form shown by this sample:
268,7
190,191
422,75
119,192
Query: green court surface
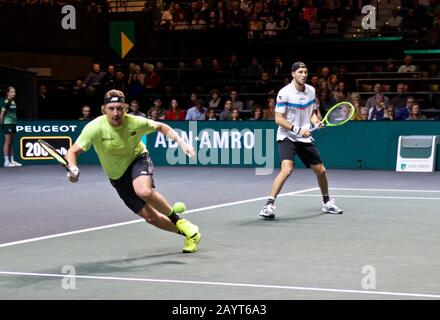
384,246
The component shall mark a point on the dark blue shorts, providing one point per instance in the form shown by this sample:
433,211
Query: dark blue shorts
141,166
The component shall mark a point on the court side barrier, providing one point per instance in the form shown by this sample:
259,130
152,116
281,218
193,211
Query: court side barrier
355,145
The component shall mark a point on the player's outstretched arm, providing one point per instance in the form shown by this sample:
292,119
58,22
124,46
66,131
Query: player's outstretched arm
168,132
71,156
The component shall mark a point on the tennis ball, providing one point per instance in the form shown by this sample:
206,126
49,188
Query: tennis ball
179,207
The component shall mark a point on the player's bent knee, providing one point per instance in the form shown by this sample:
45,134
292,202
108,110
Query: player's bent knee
144,193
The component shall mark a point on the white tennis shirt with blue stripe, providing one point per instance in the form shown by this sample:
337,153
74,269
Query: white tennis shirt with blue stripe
297,107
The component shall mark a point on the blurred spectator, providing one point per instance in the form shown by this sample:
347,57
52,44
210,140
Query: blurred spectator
134,107
392,25
283,22
235,114
257,113
265,12
198,64
246,6
109,78
154,112
264,85
177,12
255,68
192,100
198,23
310,11
214,99
210,114
416,113
390,66
324,74
157,105
180,22
135,84
315,28
236,103
270,28
378,110
301,27
233,68
120,83
227,108
372,100
269,112
326,101
364,114
86,112
389,113
152,79
355,99
197,112
237,17
340,93
314,82
215,66
211,20
399,100
174,112
407,66
332,82
222,14
277,67
94,80
410,24
404,113
255,27
167,18
331,28
78,88
205,11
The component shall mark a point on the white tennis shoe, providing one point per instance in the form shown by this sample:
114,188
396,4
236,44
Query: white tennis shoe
267,212
330,207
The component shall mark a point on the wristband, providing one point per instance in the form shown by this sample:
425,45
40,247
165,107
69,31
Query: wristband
295,129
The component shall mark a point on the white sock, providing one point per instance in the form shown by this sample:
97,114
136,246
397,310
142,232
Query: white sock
6,159
12,159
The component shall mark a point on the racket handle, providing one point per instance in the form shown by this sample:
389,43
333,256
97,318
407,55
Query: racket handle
313,129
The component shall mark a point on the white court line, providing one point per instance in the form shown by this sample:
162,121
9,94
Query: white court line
9,244
367,197
229,284
385,190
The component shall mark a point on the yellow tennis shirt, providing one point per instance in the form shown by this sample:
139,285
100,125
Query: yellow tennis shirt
117,147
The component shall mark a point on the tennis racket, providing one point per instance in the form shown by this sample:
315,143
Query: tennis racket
337,115
54,154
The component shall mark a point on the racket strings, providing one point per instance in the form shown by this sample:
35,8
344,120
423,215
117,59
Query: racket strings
340,114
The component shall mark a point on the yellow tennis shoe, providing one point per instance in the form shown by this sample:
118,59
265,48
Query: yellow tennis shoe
192,235
190,245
